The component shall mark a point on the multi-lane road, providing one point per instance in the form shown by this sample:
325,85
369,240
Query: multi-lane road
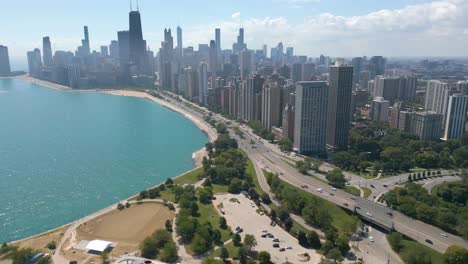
264,155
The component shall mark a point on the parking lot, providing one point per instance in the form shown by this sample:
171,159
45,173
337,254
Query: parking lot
241,212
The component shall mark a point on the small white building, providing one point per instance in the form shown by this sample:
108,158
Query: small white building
98,246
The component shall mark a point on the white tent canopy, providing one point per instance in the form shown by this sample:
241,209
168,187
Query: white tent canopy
98,245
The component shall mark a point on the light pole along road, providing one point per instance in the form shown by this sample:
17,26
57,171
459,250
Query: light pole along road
383,216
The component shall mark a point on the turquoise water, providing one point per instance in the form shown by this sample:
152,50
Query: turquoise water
64,155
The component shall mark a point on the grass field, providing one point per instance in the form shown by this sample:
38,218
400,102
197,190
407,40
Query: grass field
367,192
407,253
342,221
207,213
230,248
251,171
189,177
352,190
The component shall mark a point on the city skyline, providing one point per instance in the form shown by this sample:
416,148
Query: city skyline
429,28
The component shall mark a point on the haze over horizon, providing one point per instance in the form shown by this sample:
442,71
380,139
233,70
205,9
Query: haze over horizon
313,27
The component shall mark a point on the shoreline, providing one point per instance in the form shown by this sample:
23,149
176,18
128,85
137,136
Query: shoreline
197,156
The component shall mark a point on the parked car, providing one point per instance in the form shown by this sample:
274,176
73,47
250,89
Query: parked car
276,245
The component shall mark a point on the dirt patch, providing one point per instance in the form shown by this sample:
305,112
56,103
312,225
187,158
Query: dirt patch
128,228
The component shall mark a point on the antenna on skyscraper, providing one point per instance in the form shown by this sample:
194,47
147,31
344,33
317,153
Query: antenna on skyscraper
131,9
138,8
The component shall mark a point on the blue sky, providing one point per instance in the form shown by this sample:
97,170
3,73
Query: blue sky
334,27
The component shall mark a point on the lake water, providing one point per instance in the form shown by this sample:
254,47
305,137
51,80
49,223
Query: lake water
64,155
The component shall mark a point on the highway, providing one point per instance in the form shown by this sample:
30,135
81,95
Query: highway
262,154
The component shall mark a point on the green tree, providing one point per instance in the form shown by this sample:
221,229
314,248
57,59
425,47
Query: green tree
242,255
395,240
456,255
334,254
249,242
222,223
199,245
169,253
205,195
264,257
235,186
224,254
302,238
168,225
313,240
285,144
336,178
236,240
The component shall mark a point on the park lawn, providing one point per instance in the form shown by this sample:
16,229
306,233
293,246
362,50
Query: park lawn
352,190
218,188
367,192
207,213
342,221
167,194
230,248
251,171
410,246
190,177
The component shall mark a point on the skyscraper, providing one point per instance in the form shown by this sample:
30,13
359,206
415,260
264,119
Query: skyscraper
124,55
213,59
85,41
271,104
246,63
47,51
203,83
114,49
377,66
339,105
4,61
179,42
310,121
34,62
137,44
427,125
456,116
218,38
380,110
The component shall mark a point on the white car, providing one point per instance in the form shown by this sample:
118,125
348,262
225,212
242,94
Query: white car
444,235
334,189
371,239
369,214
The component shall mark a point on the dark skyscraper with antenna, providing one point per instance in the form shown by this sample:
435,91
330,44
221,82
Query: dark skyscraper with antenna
137,44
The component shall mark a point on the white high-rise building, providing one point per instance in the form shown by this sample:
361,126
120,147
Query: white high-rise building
271,104
380,110
310,121
456,116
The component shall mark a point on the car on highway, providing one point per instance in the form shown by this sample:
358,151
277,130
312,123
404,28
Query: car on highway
369,214
353,198
385,185
444,235
429,241
372,186
371,239
334,189
346,204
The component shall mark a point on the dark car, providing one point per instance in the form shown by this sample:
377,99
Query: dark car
372,186
429,241
276,240
282,249
276,245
